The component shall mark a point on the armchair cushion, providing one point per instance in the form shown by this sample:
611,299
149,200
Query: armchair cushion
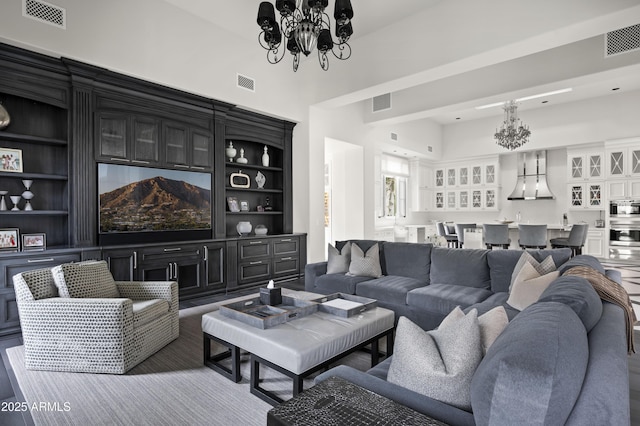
146,311
35,285
90,279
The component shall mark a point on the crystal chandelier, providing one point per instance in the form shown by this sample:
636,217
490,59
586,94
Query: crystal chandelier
512,134
305,26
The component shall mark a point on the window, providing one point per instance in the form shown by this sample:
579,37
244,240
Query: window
395,173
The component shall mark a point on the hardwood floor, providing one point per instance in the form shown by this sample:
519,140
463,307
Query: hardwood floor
631,281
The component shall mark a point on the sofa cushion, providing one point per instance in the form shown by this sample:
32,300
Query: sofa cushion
146,311
443,298
528,286
502,262
365,264
338,260
337,283
534,371
496,299
90,279
407,260
579,295
39,282
544,267
438,363
492,324
463,267
391,289
582,260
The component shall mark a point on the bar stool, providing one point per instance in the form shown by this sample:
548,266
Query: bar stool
575,241
460,227
496,235
452,240
532,236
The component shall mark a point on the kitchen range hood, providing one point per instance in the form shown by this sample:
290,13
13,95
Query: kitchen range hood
532,177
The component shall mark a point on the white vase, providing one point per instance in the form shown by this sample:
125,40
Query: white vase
265,158
241,159
230,152
243,228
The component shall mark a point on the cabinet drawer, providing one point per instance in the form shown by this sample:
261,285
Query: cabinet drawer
286,265
253,249
10,267
254,271
170,253
286,246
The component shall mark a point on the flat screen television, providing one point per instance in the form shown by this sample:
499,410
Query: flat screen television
144,204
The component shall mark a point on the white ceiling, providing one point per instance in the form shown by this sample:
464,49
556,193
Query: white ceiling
454,97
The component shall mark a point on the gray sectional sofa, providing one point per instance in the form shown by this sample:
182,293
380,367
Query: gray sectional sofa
562,360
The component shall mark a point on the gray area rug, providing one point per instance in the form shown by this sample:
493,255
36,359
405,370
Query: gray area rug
172,387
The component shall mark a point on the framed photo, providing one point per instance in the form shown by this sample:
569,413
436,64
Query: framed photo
10,160
9,239
34,242
244,206
233,204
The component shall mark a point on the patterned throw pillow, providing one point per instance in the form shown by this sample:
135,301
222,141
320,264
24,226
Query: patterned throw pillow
438,363
543,268
338,261
365,264
528,286
90,279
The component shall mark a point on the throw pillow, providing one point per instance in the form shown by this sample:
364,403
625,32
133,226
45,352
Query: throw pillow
544,267
90,279
365,264
438,363
492,323
528,286
339,260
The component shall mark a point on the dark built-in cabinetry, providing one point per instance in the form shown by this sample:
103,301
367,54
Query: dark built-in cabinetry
68,117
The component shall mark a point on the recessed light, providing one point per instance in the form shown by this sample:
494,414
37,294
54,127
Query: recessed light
458,118
616,88
544,102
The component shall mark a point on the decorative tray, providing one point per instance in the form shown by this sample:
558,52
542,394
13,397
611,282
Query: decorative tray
344,305
257,314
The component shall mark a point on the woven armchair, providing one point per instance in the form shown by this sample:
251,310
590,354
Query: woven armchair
76,318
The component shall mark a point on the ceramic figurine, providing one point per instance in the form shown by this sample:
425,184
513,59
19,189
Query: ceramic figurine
242,160
265,157
230,152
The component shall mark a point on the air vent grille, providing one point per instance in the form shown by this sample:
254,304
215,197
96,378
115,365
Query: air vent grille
382,102
44,12
246,83
394,136
623,40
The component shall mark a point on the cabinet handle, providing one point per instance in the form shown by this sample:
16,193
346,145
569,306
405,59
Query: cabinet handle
50,259
206,253
256,263
124,160
135,260
197,168
175,271
172,249
140,161
255,242
181,166
286,258
285,240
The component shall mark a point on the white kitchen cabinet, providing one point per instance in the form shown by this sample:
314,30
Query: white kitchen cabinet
463,176
439,177
439,200
420,186
585,165
623,160
595,243
586,196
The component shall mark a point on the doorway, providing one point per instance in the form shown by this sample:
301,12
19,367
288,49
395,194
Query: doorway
343,191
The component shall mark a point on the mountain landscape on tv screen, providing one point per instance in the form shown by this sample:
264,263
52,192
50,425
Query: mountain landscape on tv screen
155,204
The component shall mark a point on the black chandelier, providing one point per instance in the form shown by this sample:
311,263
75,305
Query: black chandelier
305,26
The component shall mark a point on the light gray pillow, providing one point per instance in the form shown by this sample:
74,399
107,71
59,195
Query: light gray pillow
90,279
365,264
528,286
438,363
338,261
547,265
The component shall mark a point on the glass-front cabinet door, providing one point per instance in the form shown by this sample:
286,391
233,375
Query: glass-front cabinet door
490,174
595,195
146,141
490,199
463,176
476,175
616,163
595,166
112,138
451,177
176,145
439,200
439,178
463,200
634,162
576,167
201,151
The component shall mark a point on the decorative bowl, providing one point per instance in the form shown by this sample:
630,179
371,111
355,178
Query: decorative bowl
261,230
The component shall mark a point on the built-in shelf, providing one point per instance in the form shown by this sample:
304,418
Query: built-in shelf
267,191
271,213
31,139
252,167
32,176
35,212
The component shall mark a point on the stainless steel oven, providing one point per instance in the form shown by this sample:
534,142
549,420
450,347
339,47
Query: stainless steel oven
624,229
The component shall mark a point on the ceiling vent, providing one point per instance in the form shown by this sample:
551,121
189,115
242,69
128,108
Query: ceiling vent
246,83
45,12
623,40
394,136
381,103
